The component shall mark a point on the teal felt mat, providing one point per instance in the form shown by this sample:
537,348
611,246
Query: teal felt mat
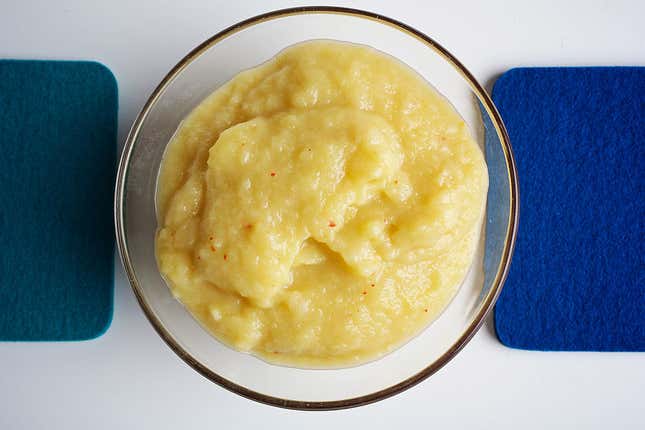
58,124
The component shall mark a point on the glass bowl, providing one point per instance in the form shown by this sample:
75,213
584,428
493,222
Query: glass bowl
207,67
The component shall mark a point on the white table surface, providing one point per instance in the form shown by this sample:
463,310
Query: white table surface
128,378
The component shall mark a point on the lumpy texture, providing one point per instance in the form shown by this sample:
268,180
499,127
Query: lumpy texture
320,209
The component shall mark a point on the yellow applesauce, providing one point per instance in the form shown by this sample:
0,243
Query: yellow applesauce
320,209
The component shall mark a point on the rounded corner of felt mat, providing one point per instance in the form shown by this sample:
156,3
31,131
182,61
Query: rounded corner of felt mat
104,70
507,75
100,329
500,332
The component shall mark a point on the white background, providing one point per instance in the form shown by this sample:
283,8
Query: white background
128,378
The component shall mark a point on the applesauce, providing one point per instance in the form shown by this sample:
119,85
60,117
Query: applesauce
320,209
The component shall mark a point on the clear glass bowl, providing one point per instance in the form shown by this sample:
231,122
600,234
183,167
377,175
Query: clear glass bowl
207,67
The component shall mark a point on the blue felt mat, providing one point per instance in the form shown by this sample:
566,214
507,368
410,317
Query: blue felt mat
577,278
58,123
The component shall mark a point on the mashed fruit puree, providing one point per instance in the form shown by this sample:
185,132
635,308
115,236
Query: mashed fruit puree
320,209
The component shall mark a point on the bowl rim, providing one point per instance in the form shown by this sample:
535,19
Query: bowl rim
487,304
